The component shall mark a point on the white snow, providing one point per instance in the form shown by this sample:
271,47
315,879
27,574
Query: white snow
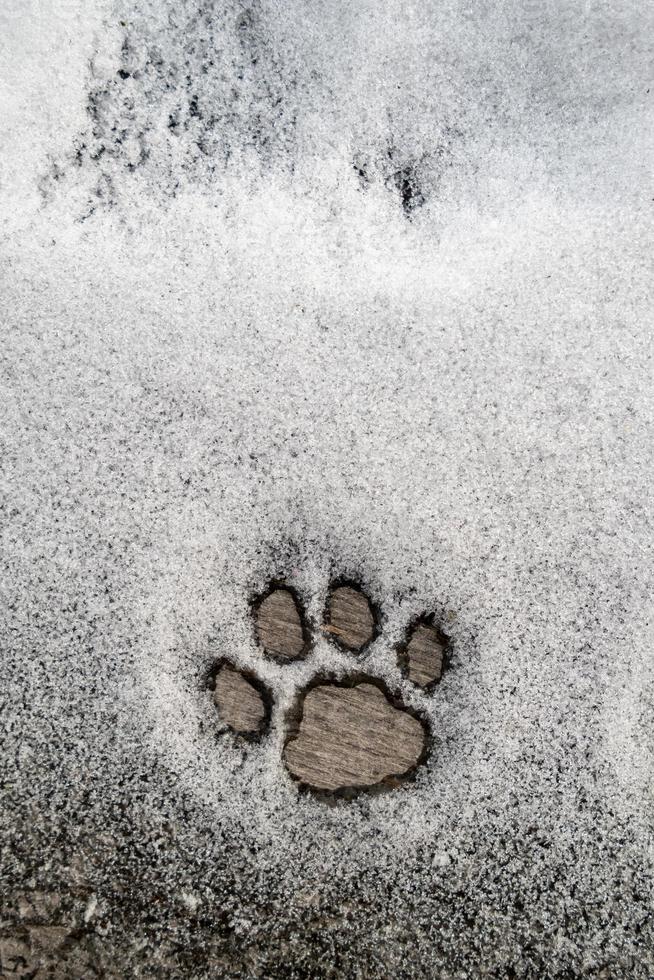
245,361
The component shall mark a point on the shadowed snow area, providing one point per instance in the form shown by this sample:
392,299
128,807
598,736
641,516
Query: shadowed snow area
313,292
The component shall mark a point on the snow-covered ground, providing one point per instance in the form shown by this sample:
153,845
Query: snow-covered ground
314,290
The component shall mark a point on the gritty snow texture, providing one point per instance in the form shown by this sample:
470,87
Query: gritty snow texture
309,291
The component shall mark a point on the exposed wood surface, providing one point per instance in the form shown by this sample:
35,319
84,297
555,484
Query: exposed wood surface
423,655
352,737
239,703
279,625
350,619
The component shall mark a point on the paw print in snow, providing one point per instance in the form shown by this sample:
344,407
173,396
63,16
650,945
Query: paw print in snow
344,735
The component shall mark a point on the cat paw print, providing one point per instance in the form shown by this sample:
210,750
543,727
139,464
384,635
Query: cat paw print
344,734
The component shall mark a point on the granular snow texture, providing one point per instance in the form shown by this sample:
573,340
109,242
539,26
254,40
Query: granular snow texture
305,291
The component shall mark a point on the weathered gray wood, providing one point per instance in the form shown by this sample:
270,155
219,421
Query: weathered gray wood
350,618
240,705
279,625
352,737
423,655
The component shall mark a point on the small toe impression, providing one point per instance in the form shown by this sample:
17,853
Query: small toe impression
350,619
279,625
353,737
240,704
423,655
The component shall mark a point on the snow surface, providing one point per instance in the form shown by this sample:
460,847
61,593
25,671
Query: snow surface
357,289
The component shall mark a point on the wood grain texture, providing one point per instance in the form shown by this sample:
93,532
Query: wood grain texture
352,737
423,655
350,618
279,625
240,705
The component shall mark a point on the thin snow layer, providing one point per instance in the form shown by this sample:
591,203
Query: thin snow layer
354,291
